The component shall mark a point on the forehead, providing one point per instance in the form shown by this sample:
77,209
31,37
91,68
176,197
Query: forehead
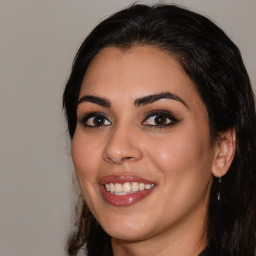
136,72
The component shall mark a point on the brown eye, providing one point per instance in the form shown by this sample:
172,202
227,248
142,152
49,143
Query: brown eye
94,120
97,120
159,119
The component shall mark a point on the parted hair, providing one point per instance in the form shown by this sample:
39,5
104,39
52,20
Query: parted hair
214,64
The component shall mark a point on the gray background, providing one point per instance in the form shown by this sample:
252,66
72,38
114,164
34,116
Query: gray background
38,40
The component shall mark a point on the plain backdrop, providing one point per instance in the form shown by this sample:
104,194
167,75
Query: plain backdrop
38,40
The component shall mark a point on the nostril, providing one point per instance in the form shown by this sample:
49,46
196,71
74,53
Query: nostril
126,158
110,160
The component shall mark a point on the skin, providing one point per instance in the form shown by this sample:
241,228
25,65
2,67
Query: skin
180,159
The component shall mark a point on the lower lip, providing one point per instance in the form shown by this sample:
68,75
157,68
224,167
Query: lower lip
124,200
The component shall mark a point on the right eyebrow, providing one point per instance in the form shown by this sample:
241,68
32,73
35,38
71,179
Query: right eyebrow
94,99
155,97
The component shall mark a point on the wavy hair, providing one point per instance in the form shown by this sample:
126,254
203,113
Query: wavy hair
214,64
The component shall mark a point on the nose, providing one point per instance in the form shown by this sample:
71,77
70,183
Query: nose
122,145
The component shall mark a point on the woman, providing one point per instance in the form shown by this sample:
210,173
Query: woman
161,116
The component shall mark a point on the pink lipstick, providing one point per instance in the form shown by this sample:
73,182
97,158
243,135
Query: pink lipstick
124,190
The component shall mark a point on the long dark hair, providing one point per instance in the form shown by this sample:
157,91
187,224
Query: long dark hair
214,64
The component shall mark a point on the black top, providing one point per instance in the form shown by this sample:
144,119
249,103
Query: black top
204,252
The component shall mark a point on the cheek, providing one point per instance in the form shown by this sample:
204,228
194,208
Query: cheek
184,168
85,157
182,155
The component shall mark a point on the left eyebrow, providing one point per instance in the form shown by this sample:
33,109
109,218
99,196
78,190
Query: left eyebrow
155,97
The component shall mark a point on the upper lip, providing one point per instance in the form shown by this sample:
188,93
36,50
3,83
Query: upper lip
122,179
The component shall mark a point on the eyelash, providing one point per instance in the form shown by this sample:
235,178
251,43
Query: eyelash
86,117
168,117
160,113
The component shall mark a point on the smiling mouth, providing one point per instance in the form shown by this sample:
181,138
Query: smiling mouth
127,188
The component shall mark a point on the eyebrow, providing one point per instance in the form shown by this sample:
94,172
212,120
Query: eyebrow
139,102
155,97
94,99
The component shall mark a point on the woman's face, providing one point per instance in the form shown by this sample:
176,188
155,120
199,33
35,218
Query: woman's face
142,150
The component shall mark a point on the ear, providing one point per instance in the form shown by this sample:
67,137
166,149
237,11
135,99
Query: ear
224,153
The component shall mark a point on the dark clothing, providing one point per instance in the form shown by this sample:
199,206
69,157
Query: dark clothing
204,252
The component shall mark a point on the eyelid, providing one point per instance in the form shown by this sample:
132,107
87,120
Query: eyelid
165,113
86,116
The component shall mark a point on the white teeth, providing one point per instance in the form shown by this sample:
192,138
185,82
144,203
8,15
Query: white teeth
135,186
118,188
127,188
112,187
147,186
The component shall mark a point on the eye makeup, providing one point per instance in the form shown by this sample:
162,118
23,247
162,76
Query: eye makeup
159,119
94,120
152,119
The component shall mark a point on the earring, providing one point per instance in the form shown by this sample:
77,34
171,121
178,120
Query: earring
219,188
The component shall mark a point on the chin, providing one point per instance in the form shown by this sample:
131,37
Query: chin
130,229
128,236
